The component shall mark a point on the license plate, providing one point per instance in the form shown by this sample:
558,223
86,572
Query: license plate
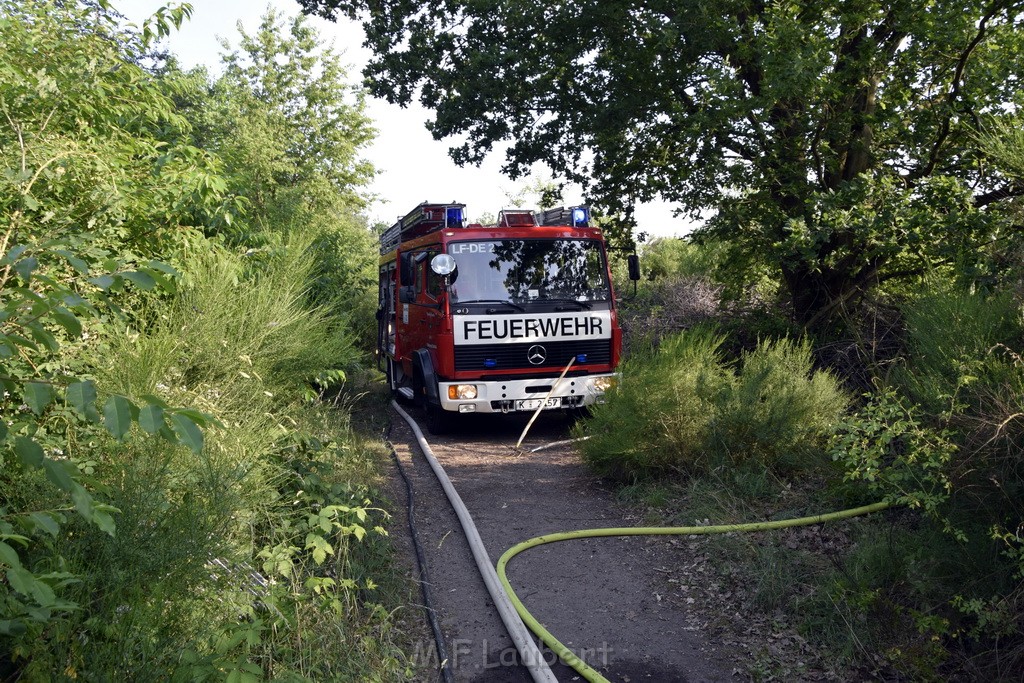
534,403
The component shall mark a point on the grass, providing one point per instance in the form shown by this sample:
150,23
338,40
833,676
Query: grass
264,555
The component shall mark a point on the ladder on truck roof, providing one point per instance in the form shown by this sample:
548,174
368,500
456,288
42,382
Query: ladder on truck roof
424,219
575,216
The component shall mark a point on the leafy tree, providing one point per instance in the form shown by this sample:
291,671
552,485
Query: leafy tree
832,139
87,194
291,131
302,87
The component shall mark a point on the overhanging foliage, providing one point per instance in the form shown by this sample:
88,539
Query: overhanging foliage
762,113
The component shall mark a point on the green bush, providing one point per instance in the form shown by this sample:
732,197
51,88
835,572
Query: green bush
956,342
656,419
677,257
681,408
280,489
948,437
778,410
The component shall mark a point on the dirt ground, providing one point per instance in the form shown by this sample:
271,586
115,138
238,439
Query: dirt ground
607,599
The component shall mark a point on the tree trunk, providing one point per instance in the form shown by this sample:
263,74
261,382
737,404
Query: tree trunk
817,295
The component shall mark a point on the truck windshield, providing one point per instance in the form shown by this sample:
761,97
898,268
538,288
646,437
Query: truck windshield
524,270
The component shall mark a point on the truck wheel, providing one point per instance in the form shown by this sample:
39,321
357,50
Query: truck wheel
419,389
439,420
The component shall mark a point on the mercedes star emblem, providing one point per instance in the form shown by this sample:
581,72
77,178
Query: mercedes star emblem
537,354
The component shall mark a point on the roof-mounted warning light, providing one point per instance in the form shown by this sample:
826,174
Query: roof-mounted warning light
454,217
516,218
580,217
424,219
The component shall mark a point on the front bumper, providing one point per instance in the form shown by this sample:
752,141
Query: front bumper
514,395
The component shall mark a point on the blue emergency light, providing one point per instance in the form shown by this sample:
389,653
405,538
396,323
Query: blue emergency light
580,217
453,217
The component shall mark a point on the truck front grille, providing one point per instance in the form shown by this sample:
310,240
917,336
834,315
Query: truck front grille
517,356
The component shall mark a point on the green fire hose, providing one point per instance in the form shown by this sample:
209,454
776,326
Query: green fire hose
565,653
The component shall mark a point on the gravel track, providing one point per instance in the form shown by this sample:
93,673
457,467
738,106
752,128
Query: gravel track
603,598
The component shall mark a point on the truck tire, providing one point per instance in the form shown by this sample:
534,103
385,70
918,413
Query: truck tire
439,420
424,384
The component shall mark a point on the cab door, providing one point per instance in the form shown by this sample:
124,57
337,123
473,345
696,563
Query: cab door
420,317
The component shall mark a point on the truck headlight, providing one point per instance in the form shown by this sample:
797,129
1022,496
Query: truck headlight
605,383
462,392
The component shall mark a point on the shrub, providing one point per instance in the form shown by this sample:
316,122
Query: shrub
885,446
948,437
681,408
953,339
656,419
196,530
778,410
677,257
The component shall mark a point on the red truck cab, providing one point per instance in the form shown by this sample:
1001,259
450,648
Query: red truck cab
484,319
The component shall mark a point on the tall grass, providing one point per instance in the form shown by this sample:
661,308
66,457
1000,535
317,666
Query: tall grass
958,338
210,573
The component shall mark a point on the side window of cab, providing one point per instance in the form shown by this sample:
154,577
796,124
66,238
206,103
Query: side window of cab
428,283
435,283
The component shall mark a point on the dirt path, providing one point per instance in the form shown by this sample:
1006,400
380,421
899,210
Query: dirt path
601,597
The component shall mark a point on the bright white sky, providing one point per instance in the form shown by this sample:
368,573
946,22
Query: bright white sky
412,166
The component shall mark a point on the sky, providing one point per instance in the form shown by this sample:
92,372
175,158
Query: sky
413,167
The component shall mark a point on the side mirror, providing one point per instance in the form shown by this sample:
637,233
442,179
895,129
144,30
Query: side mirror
406,271
634,267
407,294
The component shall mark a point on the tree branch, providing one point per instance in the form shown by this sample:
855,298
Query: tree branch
993,196
954,91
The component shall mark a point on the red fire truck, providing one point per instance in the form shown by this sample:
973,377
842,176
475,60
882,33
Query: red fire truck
485,319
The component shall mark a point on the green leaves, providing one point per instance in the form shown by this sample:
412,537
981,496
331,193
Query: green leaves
68,321
9,555
38,396
151,418
28,451
141,279
320,547
187,431
82,397
59,474
24,268
886,446
117,415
